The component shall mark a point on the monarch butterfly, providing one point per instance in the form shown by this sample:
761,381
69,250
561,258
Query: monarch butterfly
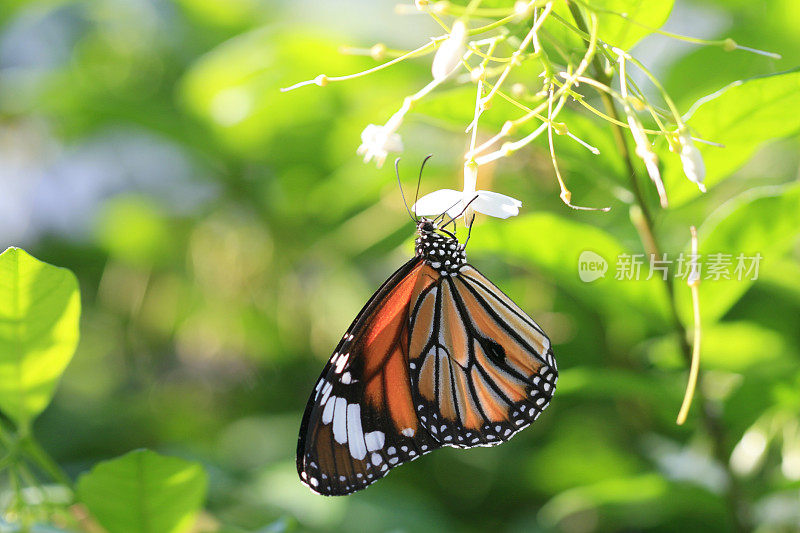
439,356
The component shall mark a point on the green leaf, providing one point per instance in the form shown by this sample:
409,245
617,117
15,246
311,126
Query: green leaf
593,383
729,346
616,30
234,88
144,492
763,221
556,244
742,116
39,314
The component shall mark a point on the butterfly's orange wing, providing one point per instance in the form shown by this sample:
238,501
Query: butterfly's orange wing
481,368
360,421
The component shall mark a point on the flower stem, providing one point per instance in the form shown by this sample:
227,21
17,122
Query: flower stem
694,370
737,506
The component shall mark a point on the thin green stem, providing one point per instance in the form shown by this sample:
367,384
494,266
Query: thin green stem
42,459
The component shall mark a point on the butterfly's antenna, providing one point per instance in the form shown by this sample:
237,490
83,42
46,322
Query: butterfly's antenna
419,179
453,218
444,213
400,184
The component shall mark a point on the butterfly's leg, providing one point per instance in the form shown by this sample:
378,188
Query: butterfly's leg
469,229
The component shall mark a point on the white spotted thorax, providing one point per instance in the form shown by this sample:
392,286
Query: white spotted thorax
443,253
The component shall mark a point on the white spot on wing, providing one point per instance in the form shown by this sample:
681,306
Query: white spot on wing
326,390
408,432
340,364
376,459
340,421
327,414
374,440
355,436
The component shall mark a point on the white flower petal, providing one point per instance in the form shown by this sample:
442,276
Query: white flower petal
496,204
500,197
438,202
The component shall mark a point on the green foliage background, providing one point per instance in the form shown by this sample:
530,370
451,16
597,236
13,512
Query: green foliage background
224,235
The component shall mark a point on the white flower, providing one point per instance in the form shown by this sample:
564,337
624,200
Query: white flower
692,161
449,54
377,142
455,203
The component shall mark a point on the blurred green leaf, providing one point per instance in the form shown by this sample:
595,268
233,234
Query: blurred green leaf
590,382
144,492
731,346
555,244
39,313
763,221
632,490
455,109
226,13
742,116
617,31
235,88
134,230
583,452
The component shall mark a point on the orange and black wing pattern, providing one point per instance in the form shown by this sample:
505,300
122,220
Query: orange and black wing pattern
481,369
360,421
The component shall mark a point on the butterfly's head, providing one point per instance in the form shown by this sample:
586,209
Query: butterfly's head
426,226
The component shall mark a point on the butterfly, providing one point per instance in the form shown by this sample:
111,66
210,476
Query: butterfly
438,356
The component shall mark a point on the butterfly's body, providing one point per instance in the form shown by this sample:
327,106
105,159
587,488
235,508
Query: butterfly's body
439,356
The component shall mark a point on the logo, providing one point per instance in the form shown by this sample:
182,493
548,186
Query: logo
591,266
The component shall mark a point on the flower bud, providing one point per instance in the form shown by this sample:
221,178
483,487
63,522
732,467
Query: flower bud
378,51
449,54
692,160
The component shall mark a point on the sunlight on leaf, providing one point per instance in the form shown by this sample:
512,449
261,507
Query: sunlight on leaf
619,32
151,493
39,312
556,244
730,346
743,116
234,88
762,221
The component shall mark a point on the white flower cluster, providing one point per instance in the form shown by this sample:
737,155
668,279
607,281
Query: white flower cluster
488,56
